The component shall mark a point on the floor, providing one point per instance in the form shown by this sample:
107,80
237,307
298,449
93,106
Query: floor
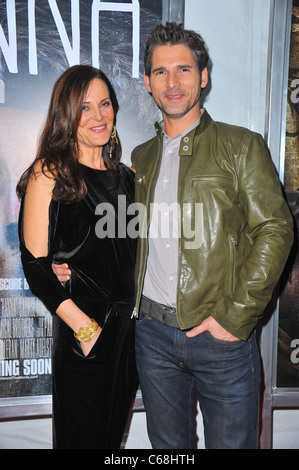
36,434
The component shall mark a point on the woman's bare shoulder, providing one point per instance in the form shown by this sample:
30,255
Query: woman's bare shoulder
41,180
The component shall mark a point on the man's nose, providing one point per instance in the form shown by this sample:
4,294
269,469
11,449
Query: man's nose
172,80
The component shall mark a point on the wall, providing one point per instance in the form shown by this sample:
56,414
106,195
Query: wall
236,32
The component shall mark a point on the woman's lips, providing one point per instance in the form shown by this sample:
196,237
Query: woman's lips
98,129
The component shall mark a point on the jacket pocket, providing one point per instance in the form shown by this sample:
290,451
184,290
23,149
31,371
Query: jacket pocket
210,178
233,246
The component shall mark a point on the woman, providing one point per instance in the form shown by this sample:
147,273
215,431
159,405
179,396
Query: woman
77,168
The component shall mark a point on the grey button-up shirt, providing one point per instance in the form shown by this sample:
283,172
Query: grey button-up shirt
160,282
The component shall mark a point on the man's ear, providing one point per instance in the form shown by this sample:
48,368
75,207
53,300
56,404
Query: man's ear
204,77
147,82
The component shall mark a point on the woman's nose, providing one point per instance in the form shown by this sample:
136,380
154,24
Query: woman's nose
97,114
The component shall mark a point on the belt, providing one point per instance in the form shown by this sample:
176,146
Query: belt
166,315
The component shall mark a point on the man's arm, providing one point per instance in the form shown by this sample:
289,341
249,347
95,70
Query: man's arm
270,227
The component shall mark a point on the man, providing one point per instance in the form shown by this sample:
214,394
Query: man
198,302
214,239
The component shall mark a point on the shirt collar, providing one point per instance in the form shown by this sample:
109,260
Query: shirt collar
186,131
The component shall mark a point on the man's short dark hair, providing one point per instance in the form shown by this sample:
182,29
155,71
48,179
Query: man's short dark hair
172,34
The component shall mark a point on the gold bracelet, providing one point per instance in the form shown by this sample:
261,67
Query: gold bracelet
87,332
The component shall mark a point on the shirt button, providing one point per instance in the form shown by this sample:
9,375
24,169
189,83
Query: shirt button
167,245
170,278
165,180
170,151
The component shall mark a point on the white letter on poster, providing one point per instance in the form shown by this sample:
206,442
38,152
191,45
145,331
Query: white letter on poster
9,48
72,52
2,92
32,55
134,8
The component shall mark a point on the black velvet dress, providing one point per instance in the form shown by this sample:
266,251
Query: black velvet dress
91,395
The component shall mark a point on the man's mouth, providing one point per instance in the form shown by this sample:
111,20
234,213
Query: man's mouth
174,97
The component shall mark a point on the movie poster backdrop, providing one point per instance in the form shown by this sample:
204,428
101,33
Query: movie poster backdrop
38,41
288,324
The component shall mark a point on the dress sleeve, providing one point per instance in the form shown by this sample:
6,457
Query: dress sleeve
38,271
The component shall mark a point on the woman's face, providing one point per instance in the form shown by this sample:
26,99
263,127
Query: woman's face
97,117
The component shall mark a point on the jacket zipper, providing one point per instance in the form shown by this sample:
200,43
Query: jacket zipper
233,245
138,298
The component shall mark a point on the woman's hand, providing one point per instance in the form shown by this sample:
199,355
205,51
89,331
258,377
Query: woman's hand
88,345
62,271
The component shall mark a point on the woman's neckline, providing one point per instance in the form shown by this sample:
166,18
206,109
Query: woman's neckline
91,168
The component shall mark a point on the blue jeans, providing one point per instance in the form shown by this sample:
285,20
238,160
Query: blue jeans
224,375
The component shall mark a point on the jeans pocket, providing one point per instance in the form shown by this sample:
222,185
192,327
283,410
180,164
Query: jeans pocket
223,341
143,318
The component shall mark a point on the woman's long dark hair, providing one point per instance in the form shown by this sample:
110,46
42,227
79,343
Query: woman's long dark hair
58,143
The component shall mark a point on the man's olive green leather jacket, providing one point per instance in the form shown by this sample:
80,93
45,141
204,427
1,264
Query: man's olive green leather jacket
246,226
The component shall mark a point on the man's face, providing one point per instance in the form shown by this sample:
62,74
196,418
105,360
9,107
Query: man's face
175,82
